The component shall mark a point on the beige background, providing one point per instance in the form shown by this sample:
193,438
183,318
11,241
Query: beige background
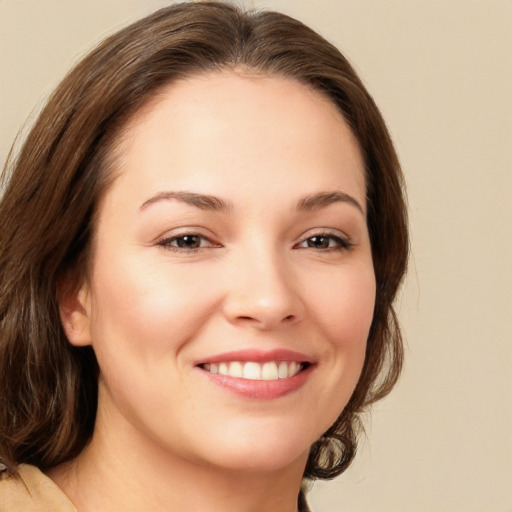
441,73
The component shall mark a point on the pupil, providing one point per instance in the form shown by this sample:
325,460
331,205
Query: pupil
318,242
189,242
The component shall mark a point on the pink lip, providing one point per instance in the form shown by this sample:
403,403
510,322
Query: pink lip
257,356
259,389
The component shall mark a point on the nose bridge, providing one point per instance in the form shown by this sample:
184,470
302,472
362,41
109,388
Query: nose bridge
262,288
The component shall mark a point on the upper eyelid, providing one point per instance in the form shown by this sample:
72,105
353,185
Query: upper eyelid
186,231
325,232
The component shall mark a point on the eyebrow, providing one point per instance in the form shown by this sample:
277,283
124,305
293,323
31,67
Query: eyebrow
212,203
324,199
201,201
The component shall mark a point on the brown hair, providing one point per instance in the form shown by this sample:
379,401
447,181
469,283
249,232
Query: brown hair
52,188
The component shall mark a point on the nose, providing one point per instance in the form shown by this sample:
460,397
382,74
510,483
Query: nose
263,293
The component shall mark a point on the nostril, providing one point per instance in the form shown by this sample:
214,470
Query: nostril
289,318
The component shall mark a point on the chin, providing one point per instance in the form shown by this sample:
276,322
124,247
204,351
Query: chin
269,448
263,460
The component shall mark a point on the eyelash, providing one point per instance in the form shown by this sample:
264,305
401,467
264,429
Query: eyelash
166,243
342,243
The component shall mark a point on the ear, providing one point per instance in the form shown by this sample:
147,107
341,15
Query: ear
75,312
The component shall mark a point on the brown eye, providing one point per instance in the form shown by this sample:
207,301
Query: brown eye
188,241
326,242
318,242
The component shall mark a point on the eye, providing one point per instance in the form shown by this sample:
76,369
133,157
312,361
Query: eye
187,242
326,242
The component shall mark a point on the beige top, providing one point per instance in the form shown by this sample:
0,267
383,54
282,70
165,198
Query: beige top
31,491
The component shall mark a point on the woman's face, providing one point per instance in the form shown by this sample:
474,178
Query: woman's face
232,285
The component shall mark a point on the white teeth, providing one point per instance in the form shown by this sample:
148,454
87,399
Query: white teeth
283,370
236,369
252,371
269,371
272,370
293,368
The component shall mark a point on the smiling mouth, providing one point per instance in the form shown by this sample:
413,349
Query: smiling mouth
252,370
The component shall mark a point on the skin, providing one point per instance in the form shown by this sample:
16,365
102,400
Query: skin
166,438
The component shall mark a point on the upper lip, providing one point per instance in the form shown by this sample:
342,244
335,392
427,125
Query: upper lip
257,356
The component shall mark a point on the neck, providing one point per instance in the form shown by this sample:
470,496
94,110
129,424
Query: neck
121,470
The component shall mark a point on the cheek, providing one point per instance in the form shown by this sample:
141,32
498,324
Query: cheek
345,314
146,310
343,311
345,305
142,317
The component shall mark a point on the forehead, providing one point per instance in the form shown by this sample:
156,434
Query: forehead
229,126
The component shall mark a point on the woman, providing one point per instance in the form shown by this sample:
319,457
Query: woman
201,240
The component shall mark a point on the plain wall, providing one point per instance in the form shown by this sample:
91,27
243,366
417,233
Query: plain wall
441,73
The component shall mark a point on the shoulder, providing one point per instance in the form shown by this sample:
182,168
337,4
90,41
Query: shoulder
31,491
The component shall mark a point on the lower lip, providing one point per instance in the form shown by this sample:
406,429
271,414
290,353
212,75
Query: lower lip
260,389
